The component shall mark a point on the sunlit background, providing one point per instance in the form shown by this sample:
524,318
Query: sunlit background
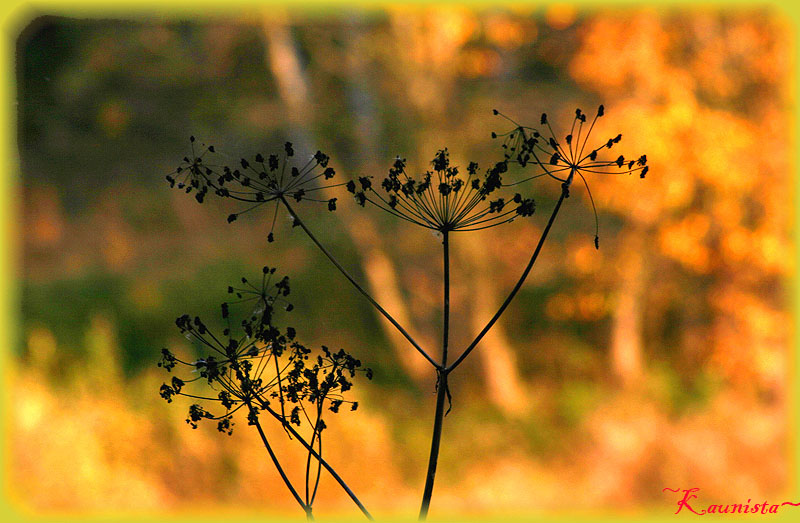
660,360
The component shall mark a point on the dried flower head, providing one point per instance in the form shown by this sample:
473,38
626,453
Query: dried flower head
260,364
443,199
257,182
262,298
563,160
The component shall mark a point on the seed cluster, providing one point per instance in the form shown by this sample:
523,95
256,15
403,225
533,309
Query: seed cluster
443,199
261,363
563,160
264,180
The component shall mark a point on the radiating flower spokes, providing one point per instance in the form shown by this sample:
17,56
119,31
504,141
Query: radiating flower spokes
262,181
444,199
562,161
264,297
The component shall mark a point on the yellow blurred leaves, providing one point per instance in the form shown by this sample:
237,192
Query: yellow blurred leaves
433,35
560,16
625,53
479,62
585,258
447,40
42,348
734,51
727,152
101,347
93,441
645,54
750,337
507,32
684,241
705,96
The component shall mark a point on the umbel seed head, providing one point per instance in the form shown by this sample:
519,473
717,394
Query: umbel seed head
262,181
575,157
443,199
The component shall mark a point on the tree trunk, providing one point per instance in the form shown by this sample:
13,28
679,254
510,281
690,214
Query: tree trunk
626,328
381,275
498,361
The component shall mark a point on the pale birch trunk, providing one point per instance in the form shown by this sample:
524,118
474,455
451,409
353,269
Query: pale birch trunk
380,272
626,328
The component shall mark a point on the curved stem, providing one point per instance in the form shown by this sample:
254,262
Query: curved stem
319,470
272,455
564,194
309,498
280,390
358,287
324,463
441,391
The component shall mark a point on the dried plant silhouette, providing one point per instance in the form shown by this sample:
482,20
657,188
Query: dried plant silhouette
255,363
261,369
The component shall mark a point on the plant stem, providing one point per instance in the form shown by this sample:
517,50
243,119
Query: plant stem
305,507
435,441
358,287
317,432
446,307
457,362
319,470
441,391
321,461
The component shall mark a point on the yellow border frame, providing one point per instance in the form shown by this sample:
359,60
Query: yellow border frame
14,16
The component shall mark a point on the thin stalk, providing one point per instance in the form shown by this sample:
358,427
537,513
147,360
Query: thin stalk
319,470
435,442
280,389
272,455
441,391
564,194
446,307
358,287
321,461
308,458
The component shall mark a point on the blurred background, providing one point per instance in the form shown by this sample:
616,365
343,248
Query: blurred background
661,360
